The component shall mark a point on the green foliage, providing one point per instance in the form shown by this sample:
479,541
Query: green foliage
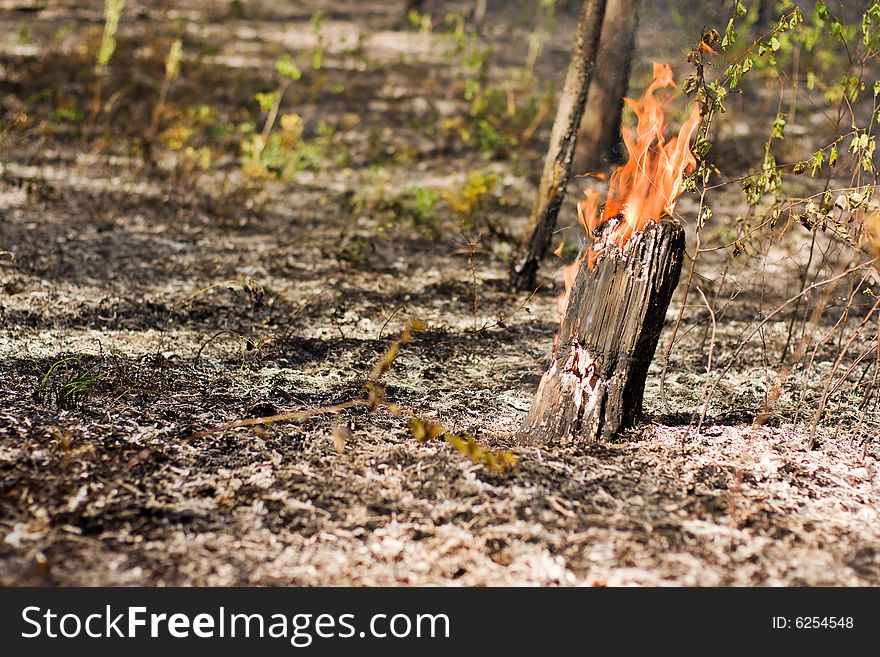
194,133
471,54
472,196
421,22
68,381
777,130
112,14
282,153
172,61
316,21
66,115
106,49
267,99
416,204
835,58
288,68
500,115
862,146
422,202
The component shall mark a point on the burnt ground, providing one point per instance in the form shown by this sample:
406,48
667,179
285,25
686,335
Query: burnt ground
188,299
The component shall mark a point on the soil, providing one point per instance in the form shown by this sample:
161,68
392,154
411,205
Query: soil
186,300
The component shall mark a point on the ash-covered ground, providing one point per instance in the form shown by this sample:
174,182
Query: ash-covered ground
145,305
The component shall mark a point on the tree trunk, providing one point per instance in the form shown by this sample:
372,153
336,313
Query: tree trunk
594,387
767,13
480,14
557,165
599,143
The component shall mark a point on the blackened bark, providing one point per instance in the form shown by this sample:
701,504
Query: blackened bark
557,164
595,384
599,143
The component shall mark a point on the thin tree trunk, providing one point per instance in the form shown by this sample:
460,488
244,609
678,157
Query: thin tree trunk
480,14
767,14
599,142
557,165
594,387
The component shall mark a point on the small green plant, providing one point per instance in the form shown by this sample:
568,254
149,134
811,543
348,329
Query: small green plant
68,381
106,49
415,203
66,115
172,71
472,55
472,196
317,21
423,203
283,153
62,33
192,133
288,68
817,38
537,38
501,114
270,103
420,21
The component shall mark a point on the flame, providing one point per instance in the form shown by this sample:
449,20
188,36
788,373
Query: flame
705,47
646,187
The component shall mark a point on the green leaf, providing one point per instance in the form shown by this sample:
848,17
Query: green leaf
777,130
317,20
705,216
266,99
835,29
288,68
868,155
702,147
818,159
729,36
172,62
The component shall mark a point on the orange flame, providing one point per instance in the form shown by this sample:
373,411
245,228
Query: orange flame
646,187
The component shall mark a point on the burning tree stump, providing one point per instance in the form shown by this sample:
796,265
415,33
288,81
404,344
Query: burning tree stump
610,329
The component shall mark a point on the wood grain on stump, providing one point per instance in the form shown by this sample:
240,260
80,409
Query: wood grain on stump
609,333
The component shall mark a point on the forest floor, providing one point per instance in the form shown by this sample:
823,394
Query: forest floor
193,299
